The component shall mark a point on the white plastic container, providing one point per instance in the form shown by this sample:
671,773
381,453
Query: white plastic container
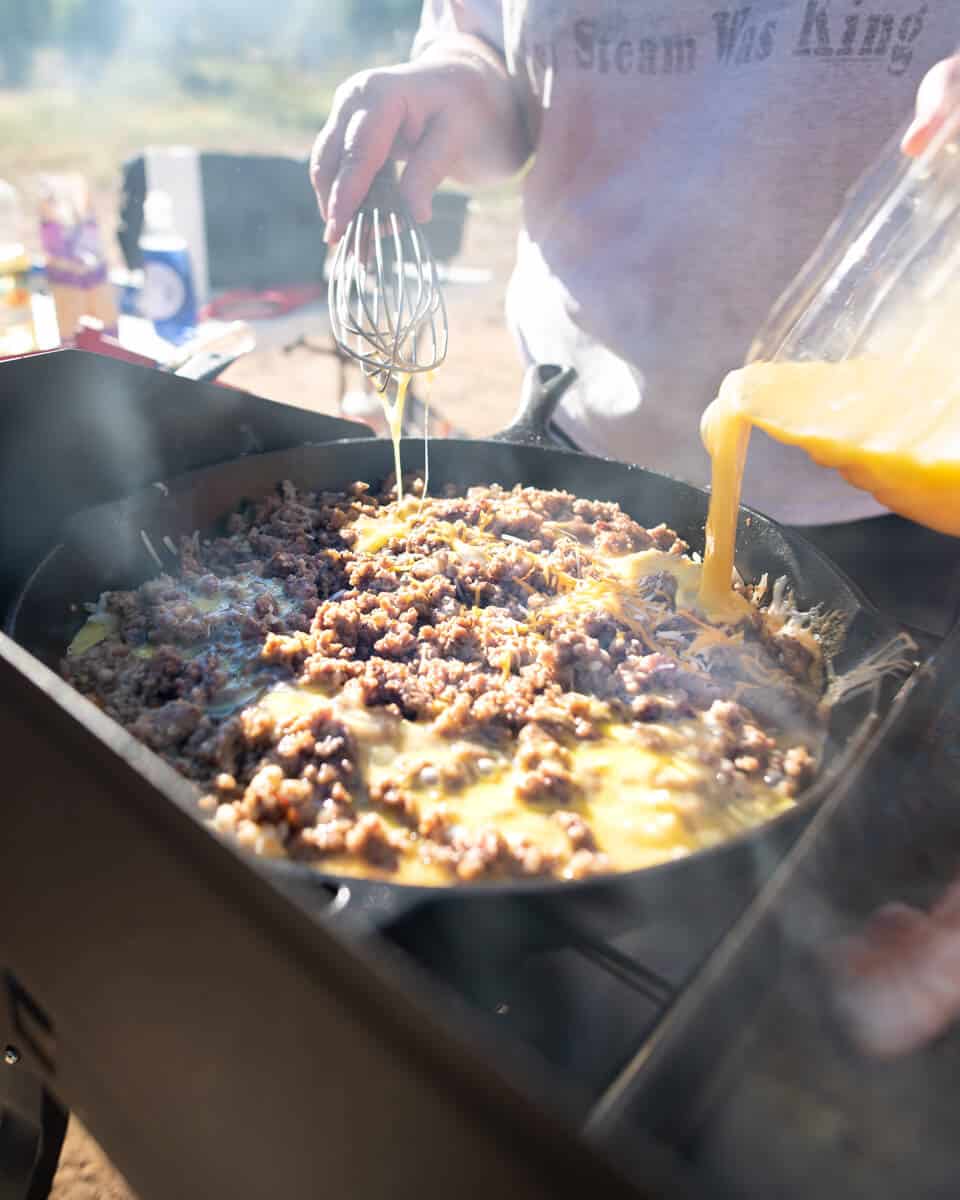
176,170
168,298
17,334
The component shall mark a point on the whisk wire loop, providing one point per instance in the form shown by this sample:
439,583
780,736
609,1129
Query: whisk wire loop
385,303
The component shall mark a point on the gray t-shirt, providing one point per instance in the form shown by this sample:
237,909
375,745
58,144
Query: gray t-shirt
689,157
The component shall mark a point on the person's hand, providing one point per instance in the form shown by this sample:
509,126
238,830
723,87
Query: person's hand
937,97
899,978
445,115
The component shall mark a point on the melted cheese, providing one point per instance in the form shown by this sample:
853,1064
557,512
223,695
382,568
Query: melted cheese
633,568
95,630
373,533
644,805
612,587
890,425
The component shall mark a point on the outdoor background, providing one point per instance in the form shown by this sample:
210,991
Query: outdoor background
84,84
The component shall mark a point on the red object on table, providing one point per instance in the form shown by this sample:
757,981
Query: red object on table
97,342
249,305
93,339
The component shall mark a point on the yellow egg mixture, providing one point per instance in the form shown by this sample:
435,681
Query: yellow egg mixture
889,422
645,806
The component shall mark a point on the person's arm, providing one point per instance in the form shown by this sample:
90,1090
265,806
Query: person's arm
937,97
451,112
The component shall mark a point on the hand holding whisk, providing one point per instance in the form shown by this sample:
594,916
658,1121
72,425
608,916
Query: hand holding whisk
386,308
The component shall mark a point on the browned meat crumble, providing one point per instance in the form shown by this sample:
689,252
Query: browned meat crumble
487,622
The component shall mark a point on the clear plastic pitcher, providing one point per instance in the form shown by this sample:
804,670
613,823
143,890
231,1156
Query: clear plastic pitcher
880,299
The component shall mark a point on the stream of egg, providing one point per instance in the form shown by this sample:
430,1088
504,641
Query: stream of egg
394,415
889,425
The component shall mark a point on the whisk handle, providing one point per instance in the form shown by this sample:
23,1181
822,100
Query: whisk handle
384,192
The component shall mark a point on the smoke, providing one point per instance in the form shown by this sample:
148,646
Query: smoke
92,43
307,33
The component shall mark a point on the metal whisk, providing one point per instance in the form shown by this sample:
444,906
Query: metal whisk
386,308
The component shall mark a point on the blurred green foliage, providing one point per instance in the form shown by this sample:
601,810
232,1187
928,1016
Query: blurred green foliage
304,33
367,15
24,26
91,30
87,30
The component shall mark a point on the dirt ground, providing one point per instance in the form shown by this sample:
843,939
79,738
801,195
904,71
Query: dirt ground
476,390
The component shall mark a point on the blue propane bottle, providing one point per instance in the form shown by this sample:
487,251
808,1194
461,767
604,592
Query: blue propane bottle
169,300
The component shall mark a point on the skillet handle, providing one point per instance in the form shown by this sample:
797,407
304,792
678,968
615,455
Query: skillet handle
206,357
927,643
543,387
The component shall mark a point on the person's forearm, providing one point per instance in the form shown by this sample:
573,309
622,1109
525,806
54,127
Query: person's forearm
502,142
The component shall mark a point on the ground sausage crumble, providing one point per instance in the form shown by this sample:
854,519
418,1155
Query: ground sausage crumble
487,621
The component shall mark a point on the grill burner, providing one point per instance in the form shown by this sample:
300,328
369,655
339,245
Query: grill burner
156,982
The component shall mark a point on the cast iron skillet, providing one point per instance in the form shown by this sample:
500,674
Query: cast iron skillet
103,549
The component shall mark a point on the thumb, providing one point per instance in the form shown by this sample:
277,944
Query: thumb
937,98
433,159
